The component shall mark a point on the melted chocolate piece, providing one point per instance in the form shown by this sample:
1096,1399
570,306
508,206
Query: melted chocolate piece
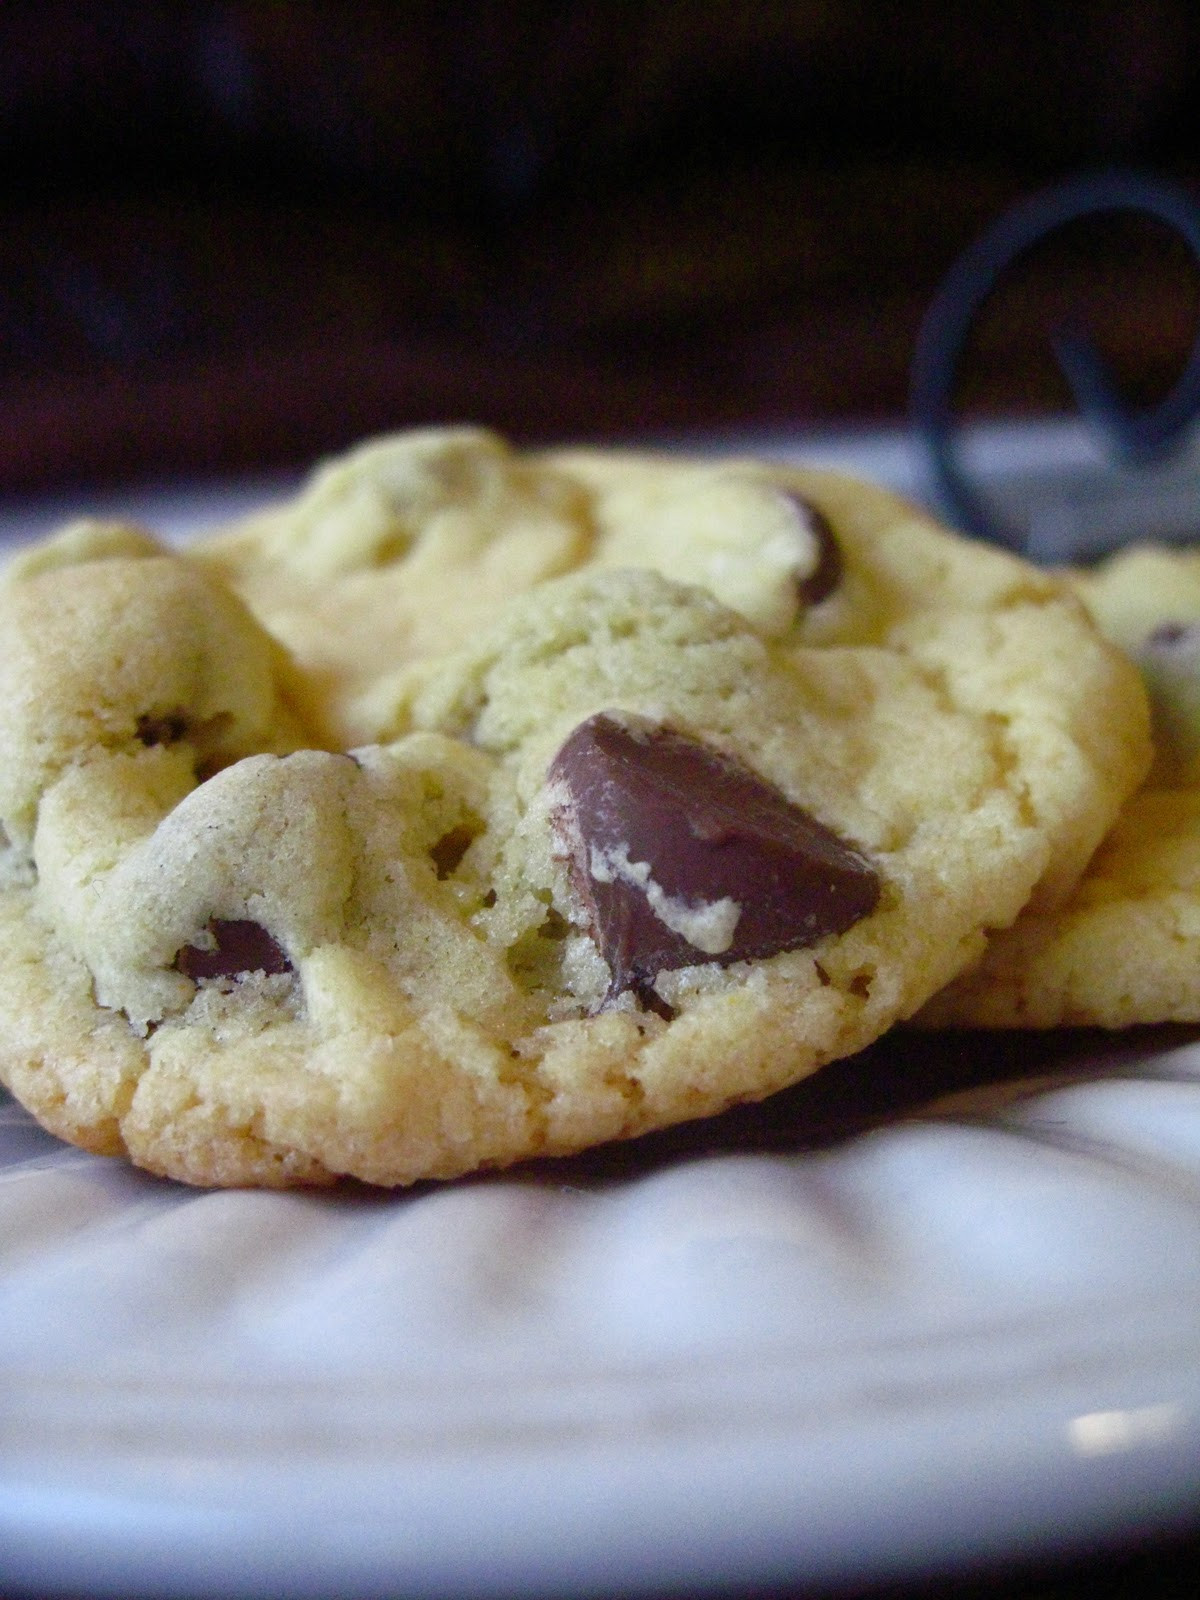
241,947
827,574
680,855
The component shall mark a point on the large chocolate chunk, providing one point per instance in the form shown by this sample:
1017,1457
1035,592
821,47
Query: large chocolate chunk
681,855
238,946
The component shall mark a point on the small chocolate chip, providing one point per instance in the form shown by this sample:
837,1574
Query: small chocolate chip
166,728
827,574
448,852
239,946
1168,635
680,855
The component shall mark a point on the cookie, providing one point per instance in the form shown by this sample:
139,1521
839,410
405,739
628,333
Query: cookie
476,806
1125,947
409,545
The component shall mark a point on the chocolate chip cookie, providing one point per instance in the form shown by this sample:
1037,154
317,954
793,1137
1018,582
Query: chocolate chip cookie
1125,947
473,805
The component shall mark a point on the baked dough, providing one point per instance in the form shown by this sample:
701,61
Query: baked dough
474,805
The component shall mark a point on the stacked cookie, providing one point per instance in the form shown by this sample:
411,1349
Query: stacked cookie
1124,947
475,805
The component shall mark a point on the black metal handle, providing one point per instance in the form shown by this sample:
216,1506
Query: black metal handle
1132,439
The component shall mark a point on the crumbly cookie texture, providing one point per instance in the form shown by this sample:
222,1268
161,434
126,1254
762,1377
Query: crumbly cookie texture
475,806
1125,946
409,545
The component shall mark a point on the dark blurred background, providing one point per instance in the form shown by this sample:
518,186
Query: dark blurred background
242,234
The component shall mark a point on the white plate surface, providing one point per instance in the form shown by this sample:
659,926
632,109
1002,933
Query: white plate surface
898,1322
972,1329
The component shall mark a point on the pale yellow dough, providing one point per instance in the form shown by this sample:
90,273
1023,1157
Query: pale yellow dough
1125,947
335,721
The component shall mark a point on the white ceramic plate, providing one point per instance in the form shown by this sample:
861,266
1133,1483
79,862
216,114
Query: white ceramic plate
939,1305
748,1353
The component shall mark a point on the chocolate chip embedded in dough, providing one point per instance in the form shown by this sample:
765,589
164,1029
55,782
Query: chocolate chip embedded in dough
1178,642
239,946
167,728
827,573
172,727
680,855
1169,659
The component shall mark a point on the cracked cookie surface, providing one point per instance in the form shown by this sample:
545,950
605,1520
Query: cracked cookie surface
473,806
1125,946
